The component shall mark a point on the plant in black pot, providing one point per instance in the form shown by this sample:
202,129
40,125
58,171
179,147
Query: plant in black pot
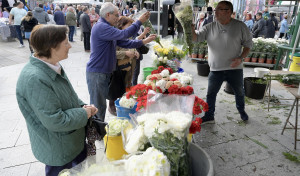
255,87
248,57
203,68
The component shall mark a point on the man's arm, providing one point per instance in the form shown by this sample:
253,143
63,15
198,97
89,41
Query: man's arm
10,18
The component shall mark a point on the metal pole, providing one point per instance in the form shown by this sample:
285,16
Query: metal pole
158,18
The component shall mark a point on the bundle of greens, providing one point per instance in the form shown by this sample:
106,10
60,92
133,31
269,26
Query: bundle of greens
290,79
184,14
152,31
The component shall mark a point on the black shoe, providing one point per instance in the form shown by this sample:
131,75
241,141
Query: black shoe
207,120
112,111
244,116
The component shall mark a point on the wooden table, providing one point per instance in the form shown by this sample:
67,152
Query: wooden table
294,92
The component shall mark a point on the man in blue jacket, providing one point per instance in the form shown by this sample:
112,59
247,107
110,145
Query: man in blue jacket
59,16
104,38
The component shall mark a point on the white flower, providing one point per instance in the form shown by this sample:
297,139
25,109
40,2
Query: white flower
135,139
115,127
184,78
155,57
151,163
161,84
147,82
160,59
165,73
127,103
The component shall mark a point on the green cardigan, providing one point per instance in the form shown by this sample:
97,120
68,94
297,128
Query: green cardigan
53,113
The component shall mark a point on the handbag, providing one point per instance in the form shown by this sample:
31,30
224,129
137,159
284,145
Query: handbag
95,130
143,49
116,87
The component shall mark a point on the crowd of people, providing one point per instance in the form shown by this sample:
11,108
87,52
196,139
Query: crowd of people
262,24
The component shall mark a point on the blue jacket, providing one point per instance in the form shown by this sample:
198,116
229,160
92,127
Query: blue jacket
104,39
59,18
284,26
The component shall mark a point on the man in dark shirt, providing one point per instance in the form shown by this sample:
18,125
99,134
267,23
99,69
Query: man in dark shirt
86,28
59,16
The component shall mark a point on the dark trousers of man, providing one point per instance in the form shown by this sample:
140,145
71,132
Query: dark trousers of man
86,40
136,72
19,33
54,170
71,33
235,79
98,86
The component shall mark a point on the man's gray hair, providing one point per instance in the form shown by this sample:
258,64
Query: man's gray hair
57,8
107,7
70,9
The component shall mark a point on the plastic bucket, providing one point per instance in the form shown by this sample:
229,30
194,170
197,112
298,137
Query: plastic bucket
295,65
260,72
254,90
203,68
200,161
147,71
124,112
115,149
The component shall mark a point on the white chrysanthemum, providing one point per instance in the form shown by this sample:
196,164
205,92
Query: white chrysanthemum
115,126
160,59
135,139
165,73
127,103
161,84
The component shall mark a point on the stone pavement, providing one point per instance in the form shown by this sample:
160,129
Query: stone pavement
236,148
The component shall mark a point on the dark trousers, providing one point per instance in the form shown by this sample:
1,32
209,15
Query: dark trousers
215,79
54,170
136,72
19,33
71,33
86,40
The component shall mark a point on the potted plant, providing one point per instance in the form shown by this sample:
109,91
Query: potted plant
195,52
201,53
203,68
269,59
262,58
248,58
254,57
255,87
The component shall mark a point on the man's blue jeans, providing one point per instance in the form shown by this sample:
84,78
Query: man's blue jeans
19,33
98,88
215,79
71,33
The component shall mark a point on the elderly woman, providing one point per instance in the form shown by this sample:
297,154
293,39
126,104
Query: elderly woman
249,21
201,21
55,116
94,17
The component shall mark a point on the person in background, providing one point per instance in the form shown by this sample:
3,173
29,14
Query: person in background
94,17
210,16
97,9
272,26
201,21
78,12
233,15
65,10
86,28
266,13
71,22
259,28
51,17
47,7
134,9
104,39
5,13
229,41
59,16
55,116
126,11
283,27
18,13
41,15
29,22
249,21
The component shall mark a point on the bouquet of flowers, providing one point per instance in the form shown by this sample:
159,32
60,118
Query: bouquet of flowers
184,78
127,103
116,126
148,24
184,13
150,163
170,56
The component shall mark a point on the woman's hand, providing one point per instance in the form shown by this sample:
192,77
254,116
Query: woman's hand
137,54
149,39
144,17
147,30
130,54
92,108
88,111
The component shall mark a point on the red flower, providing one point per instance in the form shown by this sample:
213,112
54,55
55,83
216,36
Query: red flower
160,68
174,79
155,72
195,126
153,78
199,105
170,70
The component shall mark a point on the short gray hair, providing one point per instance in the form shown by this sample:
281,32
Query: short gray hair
107,7
70,9
57,8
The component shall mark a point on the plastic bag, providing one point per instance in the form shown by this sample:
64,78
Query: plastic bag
146,24
184,13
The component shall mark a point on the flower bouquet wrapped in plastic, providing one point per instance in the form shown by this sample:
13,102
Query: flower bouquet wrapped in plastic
184,13
147,24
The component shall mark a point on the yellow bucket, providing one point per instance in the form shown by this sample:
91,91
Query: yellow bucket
114,150
295,65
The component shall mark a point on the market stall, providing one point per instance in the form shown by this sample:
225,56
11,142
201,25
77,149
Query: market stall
7,32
